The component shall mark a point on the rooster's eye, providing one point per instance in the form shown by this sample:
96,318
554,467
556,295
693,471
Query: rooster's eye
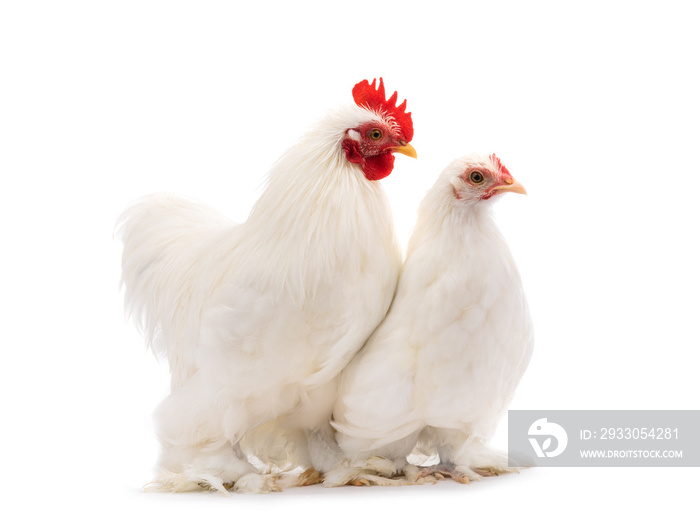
476,177
375,134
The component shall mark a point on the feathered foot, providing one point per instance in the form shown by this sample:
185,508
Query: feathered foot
487,472
189,481
310,476
367,479
295,478
256,484
476,463
372,471
441,471
480,460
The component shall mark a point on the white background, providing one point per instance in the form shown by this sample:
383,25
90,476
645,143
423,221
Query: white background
594,108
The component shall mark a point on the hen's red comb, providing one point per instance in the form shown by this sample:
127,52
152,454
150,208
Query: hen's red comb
374,98
501,167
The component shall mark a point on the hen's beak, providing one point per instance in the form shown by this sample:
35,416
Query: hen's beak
406,149
510,185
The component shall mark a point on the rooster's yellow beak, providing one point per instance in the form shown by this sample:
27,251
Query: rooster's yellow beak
406,149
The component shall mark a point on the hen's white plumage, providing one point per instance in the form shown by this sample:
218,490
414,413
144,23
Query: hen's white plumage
444,364
258,319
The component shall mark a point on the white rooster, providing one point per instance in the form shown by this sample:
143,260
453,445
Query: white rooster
443,366
258,319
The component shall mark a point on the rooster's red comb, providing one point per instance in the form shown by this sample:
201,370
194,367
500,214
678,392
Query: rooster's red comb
374,98
501,167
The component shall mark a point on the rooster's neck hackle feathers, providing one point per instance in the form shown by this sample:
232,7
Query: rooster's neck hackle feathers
333,201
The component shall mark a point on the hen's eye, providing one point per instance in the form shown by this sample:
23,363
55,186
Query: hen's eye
476,177
375,134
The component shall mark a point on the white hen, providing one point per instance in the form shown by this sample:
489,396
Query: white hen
258,319
443,366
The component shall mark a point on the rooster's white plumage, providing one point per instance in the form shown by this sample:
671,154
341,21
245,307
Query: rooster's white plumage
258,319
441,369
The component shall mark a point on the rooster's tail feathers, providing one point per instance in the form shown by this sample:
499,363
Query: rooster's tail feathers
167,239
